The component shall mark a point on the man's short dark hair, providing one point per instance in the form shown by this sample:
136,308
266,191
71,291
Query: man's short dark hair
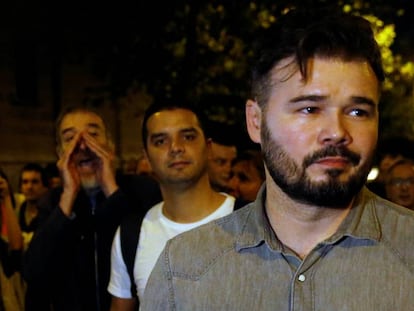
169,104
303,34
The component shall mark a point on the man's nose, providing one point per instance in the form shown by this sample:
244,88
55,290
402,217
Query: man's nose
177,146
82,145
334,130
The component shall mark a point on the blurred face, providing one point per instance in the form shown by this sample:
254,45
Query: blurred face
219,165
245,181
318,136
386,162
176,147
144,167
85,161
55,182
31,185
400,185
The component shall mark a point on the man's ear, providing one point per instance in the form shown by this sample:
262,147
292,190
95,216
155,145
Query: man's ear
253,120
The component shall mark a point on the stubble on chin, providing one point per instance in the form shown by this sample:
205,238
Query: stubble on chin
89,182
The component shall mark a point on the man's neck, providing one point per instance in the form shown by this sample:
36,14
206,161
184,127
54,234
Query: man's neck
31,211
92,191
31,205
300,226
190,204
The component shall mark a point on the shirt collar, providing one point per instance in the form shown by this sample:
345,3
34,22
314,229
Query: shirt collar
361,223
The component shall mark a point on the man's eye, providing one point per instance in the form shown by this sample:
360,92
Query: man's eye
220,161
94,134
359,113
68,139
159,142
189,137
310,110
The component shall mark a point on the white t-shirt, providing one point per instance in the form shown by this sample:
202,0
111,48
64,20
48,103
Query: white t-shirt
156,230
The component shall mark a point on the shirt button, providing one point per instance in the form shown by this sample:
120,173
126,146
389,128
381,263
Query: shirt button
301,278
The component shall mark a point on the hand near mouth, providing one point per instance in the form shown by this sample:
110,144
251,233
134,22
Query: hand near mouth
105,164
70,175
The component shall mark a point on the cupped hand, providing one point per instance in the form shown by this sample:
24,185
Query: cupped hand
105,171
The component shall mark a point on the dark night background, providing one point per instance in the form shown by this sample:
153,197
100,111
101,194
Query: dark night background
155,48
127,41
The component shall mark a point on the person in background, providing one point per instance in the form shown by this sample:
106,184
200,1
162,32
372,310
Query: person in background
315,238
67,264
223,152
399,183
247,175
389,151
177,148
33,184
130,166
144,167
53,176
11,247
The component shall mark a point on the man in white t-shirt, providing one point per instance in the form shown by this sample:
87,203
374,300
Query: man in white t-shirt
177,150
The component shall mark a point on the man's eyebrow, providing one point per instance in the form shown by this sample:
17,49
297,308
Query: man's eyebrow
189,130
89,125
316,98
310,97
157,135
363,100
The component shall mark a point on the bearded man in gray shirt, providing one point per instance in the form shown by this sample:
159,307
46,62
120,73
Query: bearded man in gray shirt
315,238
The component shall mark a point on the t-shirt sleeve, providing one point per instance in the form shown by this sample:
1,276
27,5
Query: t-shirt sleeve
119,283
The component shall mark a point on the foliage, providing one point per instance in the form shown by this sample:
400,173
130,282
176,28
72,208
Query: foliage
195,48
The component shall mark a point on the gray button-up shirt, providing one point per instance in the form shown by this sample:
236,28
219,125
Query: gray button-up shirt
237,263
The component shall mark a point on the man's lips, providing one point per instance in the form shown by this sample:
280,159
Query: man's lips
178,164
334,162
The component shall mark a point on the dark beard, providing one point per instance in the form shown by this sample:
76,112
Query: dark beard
294,181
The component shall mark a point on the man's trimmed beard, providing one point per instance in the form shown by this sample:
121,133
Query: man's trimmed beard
294,181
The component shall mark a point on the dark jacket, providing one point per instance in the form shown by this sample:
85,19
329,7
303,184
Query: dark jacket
10,259
67,264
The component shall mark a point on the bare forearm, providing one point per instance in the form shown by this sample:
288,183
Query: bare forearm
66,202
14,232
123,304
